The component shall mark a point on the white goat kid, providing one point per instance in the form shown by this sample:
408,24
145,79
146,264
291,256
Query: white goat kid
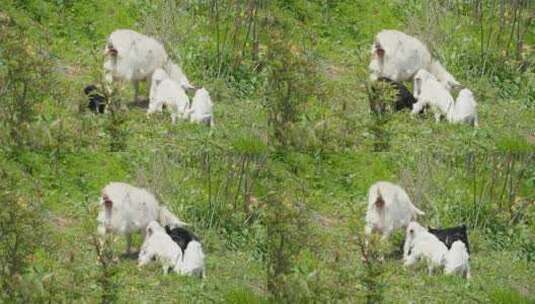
159,245
125,209
193,260
420,244
398,56
428,91
456,260
202,108
133,57
166,91
464,110
389,208
157,77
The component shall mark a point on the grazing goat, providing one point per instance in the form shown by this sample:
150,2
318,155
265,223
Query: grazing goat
389,208
464,110
420,244
125,209
189,243
133,57
202,108
449,235
428,91
158,245
97,102
163,246
398,56
193,260
403,98
456,260
165,91
157,77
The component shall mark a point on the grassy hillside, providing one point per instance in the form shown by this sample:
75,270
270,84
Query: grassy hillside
277,191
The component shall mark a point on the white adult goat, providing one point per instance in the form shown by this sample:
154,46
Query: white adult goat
389,208
398,56
133,57
125,209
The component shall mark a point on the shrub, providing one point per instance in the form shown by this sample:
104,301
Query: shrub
21,233
23,62
287,222
292,82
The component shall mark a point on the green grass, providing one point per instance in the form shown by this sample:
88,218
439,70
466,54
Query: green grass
336,188
484,177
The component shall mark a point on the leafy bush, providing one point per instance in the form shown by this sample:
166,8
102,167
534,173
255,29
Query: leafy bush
22,64
287,227
292,82
21,234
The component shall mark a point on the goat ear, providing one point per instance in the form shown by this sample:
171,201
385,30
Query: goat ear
149,231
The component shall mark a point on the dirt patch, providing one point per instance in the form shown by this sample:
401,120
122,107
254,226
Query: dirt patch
60,222
323,220
334,72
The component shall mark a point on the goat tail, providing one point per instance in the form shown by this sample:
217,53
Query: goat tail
169,219
417,211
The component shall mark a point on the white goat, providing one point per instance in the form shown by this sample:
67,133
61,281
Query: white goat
428,91
193,260
176,73
420,244
157,77
398,56
166,91
456,260
464,110
202,108
132,56
125,209
389,208
159,245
